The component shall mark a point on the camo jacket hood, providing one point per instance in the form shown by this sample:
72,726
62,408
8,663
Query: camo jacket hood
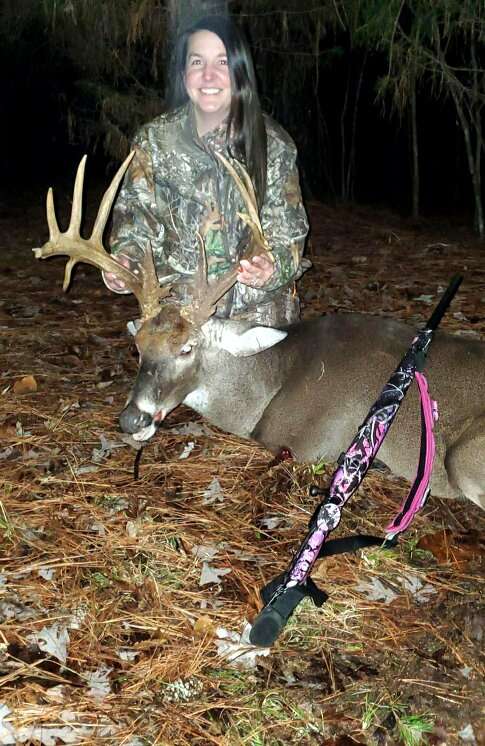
176,189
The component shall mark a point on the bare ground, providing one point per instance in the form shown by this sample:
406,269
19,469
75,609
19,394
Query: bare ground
107,634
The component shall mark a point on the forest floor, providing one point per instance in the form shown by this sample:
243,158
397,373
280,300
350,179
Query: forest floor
117,596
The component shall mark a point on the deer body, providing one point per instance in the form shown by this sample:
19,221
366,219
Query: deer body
310,391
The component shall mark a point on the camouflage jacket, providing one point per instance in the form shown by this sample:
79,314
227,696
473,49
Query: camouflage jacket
176,189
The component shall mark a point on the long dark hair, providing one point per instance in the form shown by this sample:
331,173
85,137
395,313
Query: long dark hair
246,132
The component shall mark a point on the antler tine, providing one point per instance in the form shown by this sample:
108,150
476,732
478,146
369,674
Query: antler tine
205,295
246,189
54,231
77,201
152,292
252,201
108,199
201,274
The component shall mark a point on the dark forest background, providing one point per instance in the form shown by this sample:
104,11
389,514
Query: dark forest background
384,98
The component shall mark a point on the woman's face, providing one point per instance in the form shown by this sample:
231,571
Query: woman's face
207,80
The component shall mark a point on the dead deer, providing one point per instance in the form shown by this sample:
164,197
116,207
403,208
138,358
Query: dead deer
306,387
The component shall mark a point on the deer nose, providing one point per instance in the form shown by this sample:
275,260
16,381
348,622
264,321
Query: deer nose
133,419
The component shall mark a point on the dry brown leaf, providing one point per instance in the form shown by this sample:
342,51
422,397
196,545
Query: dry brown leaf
8,432
26,385
447,546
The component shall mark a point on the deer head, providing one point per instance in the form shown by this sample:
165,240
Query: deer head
169,337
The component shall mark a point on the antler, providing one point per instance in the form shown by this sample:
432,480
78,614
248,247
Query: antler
145,287
246,189
206,295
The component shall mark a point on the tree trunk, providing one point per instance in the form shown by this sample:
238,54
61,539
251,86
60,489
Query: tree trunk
473,160
350,176
343,139
414,155
183,13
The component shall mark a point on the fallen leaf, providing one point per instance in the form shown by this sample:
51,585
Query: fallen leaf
25,385
14,609
132,529
467,735
187,450
72,732
7,431
191,428
56,693
125,654
237,650
213,493
271,522
47,573
212,574
20,432
375,590
99,684
53,641
204,551
8,452
107,447
415,586
204,626
7,732
88,469
103,384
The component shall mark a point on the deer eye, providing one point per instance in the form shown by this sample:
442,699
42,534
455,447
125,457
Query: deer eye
186,348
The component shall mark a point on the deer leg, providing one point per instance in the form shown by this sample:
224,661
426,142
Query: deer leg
465,462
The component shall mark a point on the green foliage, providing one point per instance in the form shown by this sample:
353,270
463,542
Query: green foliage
232,682
319,468
99,580
410,729
438,47
414,553
379,558
270,718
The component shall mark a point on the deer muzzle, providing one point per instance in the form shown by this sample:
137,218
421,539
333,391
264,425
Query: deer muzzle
132,420
142,425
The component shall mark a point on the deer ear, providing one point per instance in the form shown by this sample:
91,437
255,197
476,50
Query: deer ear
250,342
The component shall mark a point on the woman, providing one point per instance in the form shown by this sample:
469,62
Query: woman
176,189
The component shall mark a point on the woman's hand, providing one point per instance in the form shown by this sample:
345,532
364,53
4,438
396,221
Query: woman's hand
112,281
255,272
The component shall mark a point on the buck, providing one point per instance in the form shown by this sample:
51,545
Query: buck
306,387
